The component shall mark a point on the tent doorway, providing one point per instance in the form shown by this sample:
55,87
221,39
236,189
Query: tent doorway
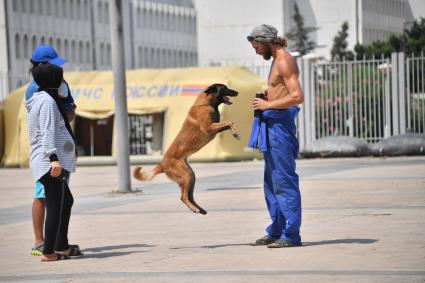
94,136
146,133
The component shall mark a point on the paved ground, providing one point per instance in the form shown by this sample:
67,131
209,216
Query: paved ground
363,221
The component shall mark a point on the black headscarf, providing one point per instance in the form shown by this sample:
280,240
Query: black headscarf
49,78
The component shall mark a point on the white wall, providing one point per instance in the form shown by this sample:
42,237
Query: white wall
418,8
329,15
223,26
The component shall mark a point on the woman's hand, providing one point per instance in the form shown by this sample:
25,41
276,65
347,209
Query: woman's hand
56,169
70,114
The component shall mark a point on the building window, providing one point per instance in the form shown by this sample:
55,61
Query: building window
17,46
56,10
49,10
66,50
138,17
64,4
145,17
108,55
154,58
31,7
24,6
164,58
80,52
15,5
42,7
101,54
76,8
86,10
193,25
33,42
58,46
73,50
87,52
140,55
99,12
71,9
106,13
149,57
181,60
25,48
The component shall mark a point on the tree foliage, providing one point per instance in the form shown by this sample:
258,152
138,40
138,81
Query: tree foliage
412,41
339,48
298,36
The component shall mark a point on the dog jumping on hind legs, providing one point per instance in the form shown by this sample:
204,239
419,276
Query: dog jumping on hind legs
201,125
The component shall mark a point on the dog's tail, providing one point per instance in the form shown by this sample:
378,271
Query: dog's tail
142,176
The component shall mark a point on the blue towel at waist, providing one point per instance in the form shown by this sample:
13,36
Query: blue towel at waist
258,139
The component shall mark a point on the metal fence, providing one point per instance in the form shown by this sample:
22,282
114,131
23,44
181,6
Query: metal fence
351,99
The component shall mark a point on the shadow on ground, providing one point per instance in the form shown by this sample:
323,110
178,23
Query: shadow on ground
326,242
118,247
340,241
97,252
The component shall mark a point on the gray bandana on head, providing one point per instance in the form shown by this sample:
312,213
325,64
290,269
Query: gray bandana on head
263,33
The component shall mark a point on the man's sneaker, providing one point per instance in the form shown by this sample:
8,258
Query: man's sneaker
264,241
284,244
37,249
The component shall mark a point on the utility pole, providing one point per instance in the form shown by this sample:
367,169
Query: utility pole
120,95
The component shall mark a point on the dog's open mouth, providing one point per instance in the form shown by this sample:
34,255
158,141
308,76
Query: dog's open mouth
226,100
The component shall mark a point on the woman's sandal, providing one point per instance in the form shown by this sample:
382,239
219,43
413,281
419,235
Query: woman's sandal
58,256
74,250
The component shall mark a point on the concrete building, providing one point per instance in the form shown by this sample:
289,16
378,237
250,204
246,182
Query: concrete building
223,25
158,33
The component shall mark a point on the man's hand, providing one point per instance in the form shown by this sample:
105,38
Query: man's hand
56,169
260,104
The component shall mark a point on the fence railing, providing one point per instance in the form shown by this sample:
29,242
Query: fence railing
415,93
351,99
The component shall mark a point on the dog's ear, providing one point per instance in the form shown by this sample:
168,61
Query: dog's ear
211,89
214,88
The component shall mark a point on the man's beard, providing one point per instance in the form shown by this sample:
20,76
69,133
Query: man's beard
268,53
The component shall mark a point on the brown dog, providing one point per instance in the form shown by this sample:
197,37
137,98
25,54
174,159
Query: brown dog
201,125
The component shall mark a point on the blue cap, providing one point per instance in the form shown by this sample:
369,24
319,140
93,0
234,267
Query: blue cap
46,53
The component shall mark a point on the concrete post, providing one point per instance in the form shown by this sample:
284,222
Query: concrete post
121,115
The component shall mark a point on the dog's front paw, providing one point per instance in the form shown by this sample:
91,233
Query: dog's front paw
235,132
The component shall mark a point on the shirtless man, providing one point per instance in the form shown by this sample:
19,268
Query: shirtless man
274,134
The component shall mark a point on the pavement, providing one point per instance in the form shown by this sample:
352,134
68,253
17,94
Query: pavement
363,221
